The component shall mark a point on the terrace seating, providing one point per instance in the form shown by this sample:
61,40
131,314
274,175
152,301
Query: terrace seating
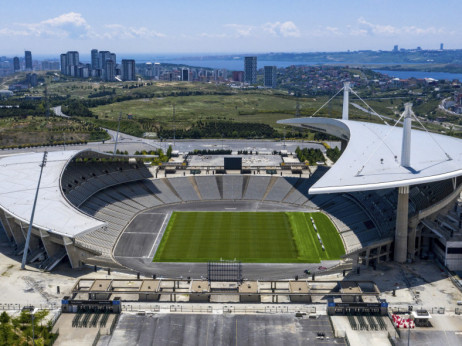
232,187
280,189
184,189
80,180
208,187
256,188
159,189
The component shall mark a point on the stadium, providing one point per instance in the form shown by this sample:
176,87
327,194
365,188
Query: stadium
390,196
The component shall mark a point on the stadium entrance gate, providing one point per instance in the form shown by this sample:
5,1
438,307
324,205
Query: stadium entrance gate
229,271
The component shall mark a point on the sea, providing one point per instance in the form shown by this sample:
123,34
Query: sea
237,64
422,75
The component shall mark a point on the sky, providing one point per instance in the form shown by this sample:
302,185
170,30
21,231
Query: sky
226,27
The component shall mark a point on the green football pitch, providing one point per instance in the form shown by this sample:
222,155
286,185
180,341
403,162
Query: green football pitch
258,237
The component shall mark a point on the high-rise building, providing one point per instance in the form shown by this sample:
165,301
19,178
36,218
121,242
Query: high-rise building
185,74
28,59
395,48
94,59
109,71
238,76
63,61
113,58
128,69
156,70
250,69
441,46
103,57
270,76
73,58
72,63
32,79
16,65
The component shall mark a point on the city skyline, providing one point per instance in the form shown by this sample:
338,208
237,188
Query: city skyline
208,27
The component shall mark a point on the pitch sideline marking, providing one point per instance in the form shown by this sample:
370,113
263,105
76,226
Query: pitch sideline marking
161,230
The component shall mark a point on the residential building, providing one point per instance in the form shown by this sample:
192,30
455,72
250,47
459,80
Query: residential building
103,57
16,66
28,59
128,69
109,71
63,61
270,80
94,59
185,74
238,76
250,69
73,58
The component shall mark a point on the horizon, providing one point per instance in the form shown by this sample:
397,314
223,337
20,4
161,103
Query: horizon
208,27
237,55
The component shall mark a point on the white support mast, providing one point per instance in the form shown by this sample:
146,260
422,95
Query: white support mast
406,146
346,100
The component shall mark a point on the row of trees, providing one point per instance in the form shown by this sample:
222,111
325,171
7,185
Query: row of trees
18,330
23,108
310,155
333,154
210,152
162,157
226,129
75,108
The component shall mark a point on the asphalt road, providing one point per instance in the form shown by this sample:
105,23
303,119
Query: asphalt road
137,245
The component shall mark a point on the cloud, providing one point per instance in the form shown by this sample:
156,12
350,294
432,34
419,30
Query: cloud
241,29
367,28
117,31
207,35
68,25
285,29
333,30
281,29
73,26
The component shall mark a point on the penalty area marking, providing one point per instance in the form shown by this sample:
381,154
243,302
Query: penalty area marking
161,231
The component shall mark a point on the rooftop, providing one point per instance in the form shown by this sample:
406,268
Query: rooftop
19,175
371,160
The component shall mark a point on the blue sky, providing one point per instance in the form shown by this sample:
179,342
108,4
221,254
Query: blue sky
236,26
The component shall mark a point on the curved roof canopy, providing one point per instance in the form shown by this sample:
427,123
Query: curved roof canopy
19,176
371,160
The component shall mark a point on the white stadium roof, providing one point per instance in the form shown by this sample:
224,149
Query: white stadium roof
19,176
371,160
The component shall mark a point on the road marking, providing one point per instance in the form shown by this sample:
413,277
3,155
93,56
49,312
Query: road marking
153,214
161,230
137,232
236,330
127,256
207,335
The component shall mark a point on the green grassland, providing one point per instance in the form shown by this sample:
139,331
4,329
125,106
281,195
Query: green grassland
256,237
40,130
264,107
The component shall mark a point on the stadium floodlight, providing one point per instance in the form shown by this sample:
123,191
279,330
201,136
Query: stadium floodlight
29,231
